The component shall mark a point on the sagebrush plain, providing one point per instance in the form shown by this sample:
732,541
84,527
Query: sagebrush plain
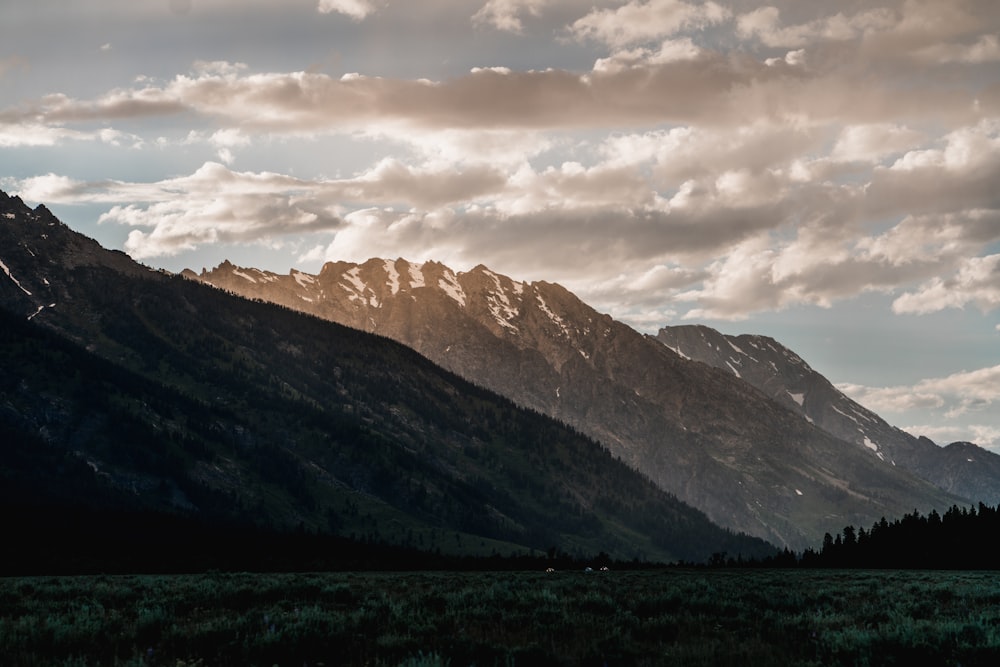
661,617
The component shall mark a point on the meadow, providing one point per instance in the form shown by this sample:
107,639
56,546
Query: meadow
661,617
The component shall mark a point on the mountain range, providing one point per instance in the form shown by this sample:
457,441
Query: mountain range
748,459
961,468
513,415
125,389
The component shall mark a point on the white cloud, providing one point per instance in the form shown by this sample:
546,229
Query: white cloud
946,238
738,284
671,50
15,135
976,282
506,14
984,435
637,21
958,401
764,24
959,393
872,143
356,9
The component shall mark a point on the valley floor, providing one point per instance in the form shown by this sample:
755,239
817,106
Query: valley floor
664,617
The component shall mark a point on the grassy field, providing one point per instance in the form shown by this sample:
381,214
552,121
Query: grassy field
665,617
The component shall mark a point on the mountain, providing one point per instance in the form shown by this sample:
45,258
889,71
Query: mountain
714,441
960,468
124,388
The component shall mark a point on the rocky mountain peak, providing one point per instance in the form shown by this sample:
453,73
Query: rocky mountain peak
783,375
749,462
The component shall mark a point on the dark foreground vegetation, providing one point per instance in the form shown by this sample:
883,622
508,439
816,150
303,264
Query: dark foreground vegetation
663,617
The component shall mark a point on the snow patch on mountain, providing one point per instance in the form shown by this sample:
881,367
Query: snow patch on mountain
40,309
558,321
9,216
303,279
677,351
416,275
798,398
499,304
10,275
449,283
390,270
353,277
245,276
851,417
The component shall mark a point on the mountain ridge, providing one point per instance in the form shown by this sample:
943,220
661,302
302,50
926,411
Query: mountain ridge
712,440
961,468
154,388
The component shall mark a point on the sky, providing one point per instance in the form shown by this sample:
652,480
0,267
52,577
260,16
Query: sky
825,173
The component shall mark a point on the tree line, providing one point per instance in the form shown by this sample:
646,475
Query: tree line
960,539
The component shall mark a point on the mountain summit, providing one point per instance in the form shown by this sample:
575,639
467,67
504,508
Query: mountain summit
126,389
749,462
960,468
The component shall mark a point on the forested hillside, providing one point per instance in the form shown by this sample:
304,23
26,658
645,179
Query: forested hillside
136,389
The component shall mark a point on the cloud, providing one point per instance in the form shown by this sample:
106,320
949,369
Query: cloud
764,24
770,158
630,87
984,435
976,282
960,394
671,50
506,15
355,9
872,143
637,21
974,390
984,50
19,134
214,205
226,140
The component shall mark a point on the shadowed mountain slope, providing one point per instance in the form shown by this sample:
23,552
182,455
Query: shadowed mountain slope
122,384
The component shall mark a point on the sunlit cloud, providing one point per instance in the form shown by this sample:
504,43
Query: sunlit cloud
959,393
355,9
506,14
642,21
970,395
766,25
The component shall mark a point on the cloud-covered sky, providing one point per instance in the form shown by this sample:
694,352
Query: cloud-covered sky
825,173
